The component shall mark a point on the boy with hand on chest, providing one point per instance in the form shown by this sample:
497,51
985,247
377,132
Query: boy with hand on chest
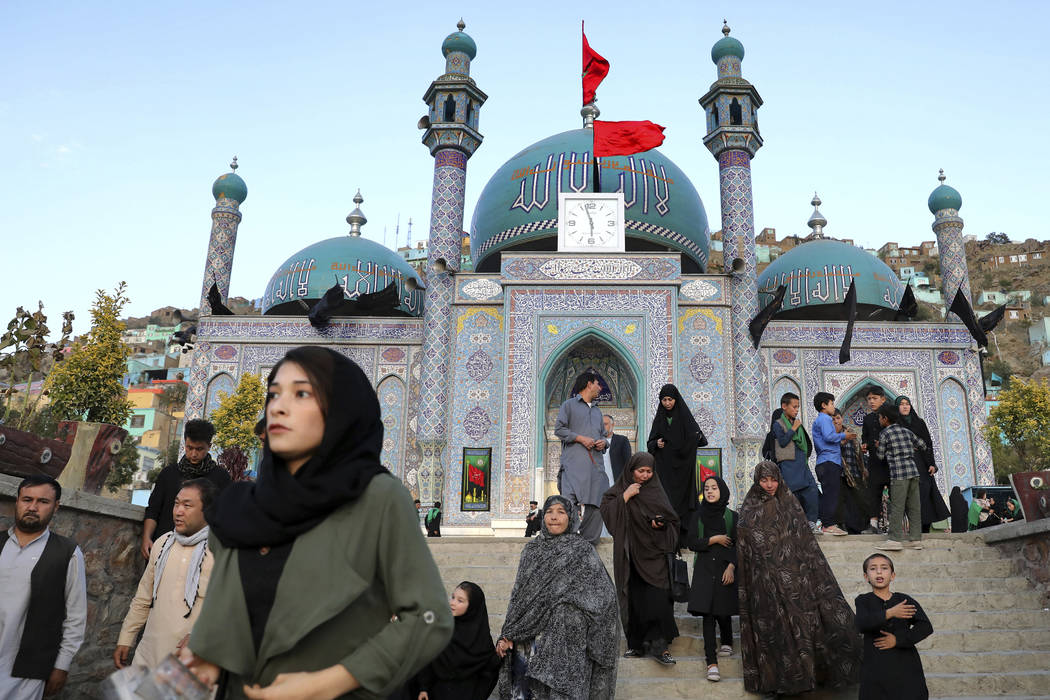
892,624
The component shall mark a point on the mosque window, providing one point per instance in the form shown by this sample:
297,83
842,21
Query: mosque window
714,112
470,112
450,109
736,115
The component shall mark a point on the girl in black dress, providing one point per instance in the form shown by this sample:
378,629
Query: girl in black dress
468,667
712,535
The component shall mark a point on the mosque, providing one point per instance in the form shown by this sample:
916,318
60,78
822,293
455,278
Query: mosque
470,367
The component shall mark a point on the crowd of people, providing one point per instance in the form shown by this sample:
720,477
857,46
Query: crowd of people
315,579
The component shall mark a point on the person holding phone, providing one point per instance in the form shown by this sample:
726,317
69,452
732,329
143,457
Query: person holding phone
644,527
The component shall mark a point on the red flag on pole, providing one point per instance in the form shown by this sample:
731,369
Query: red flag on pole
625,138
595,68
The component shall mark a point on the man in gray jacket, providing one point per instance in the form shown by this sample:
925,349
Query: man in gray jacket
582,476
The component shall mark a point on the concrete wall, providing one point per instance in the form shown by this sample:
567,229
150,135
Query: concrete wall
108,533
1028,543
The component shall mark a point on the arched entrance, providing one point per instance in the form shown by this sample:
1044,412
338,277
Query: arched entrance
619,398
854,405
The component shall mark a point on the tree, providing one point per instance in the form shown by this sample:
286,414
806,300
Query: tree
170,455
125,464
1000,367
234,422
87,386
1021,423
25,354
173,398
997,238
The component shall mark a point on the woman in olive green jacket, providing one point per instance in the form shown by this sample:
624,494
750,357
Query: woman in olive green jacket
323,586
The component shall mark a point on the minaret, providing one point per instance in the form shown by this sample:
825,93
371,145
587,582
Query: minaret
451,134
944,204
733,139
229,192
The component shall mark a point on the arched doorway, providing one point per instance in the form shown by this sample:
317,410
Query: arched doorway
854,405
619,397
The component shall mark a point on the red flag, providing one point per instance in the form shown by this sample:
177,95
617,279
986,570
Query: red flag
595,68
625,138
476,476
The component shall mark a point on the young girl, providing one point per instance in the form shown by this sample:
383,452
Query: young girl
712,535
796,628
892,624
467,668
322,586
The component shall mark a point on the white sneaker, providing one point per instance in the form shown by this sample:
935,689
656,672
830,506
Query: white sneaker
725,650
834,530
817,530
890,546
914,544
712,674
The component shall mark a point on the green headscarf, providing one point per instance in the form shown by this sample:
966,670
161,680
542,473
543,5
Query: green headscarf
799,438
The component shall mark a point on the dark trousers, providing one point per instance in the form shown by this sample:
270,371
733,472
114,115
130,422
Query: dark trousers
725,622
878,479
650,616
807,497
830,476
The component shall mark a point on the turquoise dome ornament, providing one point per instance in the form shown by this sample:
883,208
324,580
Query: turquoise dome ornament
944,197
726,46
230,186
360,265
460,42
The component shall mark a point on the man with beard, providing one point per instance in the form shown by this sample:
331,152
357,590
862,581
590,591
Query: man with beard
195,464
43,607
582,477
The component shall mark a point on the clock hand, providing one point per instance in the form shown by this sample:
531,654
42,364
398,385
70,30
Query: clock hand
590,219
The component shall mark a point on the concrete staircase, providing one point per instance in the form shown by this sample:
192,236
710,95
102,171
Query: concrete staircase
991,635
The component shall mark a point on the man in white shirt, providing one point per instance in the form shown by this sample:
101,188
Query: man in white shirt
43,596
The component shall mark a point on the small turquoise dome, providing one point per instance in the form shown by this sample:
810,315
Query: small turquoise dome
818,275
944,197
230,186
461,42
726,46
361,265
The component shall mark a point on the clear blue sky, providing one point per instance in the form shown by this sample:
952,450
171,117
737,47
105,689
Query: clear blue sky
116,117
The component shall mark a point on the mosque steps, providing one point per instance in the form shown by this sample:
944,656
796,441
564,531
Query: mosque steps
991,638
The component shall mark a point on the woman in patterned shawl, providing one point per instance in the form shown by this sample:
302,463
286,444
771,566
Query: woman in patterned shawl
561,637
796,629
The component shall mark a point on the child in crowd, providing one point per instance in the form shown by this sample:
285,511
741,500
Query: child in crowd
897,447
828,441
892,624
467,669
854,506
433,520
712,535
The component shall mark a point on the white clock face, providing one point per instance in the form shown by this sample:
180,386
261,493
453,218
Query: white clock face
591,222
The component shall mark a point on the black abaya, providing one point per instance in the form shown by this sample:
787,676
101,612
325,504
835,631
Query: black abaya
676,460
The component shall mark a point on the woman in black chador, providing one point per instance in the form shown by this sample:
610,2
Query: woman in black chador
673,440
930,498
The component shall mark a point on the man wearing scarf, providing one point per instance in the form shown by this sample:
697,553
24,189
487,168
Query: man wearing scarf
171,590
195,464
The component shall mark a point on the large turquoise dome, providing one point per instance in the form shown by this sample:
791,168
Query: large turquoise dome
518,209
818,275
362,266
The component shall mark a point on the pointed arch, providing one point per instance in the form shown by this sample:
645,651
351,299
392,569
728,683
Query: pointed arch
221,383
392,395
782,385
450,109
854,404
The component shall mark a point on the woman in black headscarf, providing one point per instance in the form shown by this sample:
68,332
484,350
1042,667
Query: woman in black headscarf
960,510
673,440
322,583
644,527
796,628
930,498
560,636
467,668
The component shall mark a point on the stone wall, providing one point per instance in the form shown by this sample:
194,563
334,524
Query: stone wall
108,533
1028,544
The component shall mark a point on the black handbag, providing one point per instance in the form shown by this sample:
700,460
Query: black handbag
679,574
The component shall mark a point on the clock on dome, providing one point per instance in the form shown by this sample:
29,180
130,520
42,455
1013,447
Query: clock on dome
590,222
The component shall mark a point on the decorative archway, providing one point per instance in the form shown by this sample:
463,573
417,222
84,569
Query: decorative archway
623,391
854,403
392,404
221,383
